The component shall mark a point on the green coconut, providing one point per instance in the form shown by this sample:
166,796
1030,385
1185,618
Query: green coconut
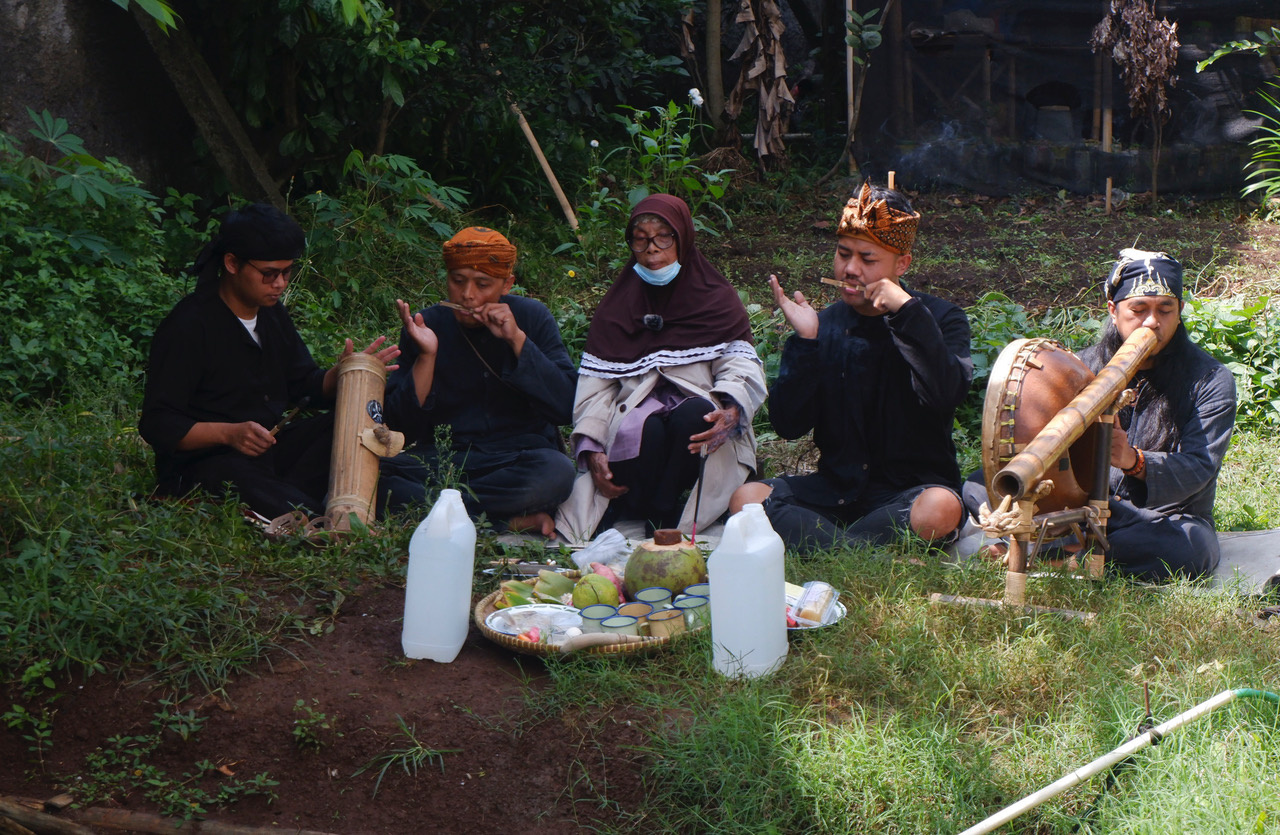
593,588
668,560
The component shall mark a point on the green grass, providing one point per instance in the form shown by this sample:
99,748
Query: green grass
906,717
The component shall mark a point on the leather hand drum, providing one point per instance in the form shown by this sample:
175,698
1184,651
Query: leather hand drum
1031,381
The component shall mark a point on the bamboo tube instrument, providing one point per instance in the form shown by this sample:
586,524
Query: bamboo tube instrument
1024,383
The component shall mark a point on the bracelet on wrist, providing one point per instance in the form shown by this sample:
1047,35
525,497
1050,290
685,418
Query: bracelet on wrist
1139,464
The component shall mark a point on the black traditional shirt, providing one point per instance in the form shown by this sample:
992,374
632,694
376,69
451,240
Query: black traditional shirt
205,366
879,394
1183,478
490,399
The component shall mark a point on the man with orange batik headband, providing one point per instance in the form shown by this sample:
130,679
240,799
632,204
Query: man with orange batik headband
877,377
492,369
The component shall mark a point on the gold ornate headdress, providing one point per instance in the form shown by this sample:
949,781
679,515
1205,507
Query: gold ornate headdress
875,220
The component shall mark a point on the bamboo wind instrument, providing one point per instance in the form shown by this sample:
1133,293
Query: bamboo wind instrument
359,439
1029,466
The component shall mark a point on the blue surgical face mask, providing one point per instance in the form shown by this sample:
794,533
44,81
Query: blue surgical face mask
661,277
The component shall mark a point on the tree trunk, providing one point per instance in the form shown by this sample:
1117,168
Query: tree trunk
218,123
715,77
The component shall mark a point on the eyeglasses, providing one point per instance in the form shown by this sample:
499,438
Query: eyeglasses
639,243
270,274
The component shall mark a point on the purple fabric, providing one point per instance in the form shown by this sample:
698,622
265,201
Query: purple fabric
626,444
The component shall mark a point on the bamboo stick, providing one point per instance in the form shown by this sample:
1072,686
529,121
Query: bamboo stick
17,810
569,214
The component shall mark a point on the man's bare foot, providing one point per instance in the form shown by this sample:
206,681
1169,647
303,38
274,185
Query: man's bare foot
995,551
540,522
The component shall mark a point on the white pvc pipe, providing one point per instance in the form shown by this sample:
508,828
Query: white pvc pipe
1078,776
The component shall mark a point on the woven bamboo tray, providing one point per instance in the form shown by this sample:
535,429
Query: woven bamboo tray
486,607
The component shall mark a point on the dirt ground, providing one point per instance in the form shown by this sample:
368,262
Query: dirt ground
509,768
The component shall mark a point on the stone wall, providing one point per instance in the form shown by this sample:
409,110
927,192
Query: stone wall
87,62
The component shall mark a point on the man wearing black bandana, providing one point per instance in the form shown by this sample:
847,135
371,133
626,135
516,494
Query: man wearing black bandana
1167,448
226,364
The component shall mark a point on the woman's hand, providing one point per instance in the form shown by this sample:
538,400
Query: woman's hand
602,476
724,423
802,318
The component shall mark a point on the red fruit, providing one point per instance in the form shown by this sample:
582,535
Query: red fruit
607,573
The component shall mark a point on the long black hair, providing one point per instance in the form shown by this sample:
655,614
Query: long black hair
1164,392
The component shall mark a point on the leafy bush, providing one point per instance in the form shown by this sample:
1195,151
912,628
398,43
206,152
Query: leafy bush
1243,336
995,320
661,159
374,240
85,279
1264,164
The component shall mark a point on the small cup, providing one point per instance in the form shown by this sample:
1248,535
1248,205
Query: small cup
697,612
666,623
655,596
621,625
595,614
639,611
699,590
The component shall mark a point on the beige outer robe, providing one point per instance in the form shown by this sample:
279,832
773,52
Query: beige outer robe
601,404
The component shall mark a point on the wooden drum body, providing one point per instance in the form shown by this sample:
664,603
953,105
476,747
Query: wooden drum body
1031,381
360,438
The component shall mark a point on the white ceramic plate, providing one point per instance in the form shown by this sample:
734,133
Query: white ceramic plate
551,618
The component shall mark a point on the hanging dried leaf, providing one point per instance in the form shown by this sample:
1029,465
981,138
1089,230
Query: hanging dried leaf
764,74
1146,50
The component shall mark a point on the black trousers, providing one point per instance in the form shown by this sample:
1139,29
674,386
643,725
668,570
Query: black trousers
292,474
1144,544
659,476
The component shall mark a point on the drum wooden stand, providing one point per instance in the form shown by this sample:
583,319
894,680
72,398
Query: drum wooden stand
360,438
1036,469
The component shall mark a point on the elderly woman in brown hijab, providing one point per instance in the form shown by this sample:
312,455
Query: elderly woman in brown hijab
668,374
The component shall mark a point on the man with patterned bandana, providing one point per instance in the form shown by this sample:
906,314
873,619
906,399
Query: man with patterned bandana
1166,448
877,377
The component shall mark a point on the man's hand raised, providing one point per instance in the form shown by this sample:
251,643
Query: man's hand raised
802,318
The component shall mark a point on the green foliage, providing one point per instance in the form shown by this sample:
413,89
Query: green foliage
1243,336
123,767
85,281
35,723
375,240
311,728
1264,163
660,159
995,320
159,11
319,76
1266,41
863,35
314,82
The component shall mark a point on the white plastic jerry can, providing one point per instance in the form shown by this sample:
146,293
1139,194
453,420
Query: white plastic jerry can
437,594
749,597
